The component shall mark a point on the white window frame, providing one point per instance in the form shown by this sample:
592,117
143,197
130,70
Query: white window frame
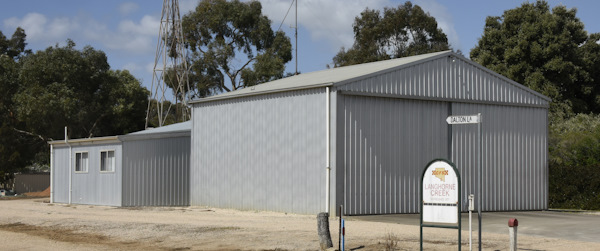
114,160
87,162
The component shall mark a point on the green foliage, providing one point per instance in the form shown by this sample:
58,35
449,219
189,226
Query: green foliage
399,32
550,52
547,51
221,33
16,149
170,116
15,46
575,163
61,86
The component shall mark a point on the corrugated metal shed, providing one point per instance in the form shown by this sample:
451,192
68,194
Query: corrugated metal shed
260,152
152,169
387,121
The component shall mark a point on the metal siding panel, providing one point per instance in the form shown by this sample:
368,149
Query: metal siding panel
262,152
61,175
387,143
93,187
515,164
157,172
446,79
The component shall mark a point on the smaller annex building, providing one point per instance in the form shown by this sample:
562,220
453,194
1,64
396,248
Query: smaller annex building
145,168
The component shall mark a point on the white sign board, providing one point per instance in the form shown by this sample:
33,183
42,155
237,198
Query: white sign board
440,193
463,119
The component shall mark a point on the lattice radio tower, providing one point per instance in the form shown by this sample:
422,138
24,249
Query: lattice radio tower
171,72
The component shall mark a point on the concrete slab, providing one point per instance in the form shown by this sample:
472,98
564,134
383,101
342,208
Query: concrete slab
549,224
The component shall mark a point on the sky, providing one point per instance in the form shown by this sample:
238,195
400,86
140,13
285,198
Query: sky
127,31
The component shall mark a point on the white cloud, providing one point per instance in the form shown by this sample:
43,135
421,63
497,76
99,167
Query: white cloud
132,67
150,68
40,29
147,26
332,20
136,37
128,8
325,20
186,6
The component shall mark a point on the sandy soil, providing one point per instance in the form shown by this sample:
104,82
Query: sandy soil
34,224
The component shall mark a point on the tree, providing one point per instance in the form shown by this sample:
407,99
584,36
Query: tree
218,31
547,51
170,116
399,32
62,86
15,46
15,149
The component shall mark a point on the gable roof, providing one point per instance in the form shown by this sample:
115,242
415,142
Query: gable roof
350,80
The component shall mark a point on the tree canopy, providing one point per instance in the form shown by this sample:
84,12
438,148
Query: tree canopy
233,46
60,86
397,32
546,50
16,150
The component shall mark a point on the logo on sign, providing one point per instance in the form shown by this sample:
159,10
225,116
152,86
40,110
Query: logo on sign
440,173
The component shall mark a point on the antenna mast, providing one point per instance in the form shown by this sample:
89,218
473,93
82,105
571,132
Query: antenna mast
170,71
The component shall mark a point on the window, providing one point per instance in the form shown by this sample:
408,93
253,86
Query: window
107,161
81,162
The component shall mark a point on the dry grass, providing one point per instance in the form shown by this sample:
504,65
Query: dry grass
391,242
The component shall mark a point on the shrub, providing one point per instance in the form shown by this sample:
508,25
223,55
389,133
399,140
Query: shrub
574,163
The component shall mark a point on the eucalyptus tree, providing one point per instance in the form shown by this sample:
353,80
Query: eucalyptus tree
394,33
548,51
233,46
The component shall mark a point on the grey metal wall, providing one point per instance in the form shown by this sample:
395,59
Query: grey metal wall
156,172
383,145
60,176
394,123
93,187
447,79
387,142
263,152
515,168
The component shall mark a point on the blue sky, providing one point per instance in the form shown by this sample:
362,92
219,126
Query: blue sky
127,31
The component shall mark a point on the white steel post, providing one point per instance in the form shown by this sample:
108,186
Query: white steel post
512,233
327,146
480,166
471,208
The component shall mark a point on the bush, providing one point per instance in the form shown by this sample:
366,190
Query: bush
574,163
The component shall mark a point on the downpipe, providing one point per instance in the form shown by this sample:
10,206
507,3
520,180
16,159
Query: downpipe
327,148
70,164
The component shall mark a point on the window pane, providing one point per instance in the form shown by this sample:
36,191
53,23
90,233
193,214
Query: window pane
84,162
111,161
78,162
81,162
102,161
107,161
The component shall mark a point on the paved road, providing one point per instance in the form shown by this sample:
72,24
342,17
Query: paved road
550,224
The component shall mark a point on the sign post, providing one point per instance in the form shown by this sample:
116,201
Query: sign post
441,192
473,119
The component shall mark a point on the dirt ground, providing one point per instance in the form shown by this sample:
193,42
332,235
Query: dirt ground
34,224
